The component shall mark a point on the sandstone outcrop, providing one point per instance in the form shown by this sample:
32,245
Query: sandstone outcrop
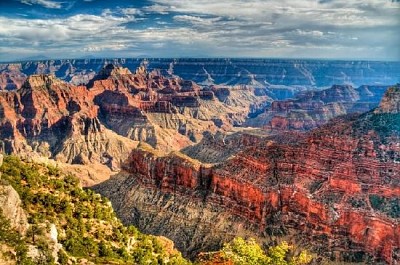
391,101
10,204
168,113
334,190
99,124
54,119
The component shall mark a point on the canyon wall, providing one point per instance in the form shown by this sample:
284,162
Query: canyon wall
310,109
100,123
334,190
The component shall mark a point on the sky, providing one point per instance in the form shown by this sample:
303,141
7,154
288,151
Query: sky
329,29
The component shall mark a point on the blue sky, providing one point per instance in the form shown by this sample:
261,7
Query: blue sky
332,29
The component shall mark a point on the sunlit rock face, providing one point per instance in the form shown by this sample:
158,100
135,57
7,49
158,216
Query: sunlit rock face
102,121
334,189
391,101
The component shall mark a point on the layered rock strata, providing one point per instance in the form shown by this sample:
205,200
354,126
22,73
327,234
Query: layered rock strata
334,190
314,108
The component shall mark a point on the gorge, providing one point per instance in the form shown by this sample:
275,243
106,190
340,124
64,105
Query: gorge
202,158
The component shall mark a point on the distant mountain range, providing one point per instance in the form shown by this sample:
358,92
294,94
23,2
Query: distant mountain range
254,72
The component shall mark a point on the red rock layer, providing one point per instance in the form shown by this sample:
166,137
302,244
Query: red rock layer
311,109
321,185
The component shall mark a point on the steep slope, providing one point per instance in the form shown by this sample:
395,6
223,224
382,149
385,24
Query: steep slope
100,124
51,118
168,113
391,102
216,148
334,189
67,224
311,109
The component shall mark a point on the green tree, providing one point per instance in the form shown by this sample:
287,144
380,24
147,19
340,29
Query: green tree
245,252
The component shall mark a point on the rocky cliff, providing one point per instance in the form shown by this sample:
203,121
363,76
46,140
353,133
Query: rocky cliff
391,101
169,113
311,109
51,118
334,189
99,124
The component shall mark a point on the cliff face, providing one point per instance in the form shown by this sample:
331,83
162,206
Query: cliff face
54,119
391,101
334,189
100,123
169,113
311,109
10,204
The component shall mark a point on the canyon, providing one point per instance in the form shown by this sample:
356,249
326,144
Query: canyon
98,124
204,150
310,109
281,76
334,189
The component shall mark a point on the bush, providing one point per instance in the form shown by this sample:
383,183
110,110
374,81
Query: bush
90,227
247,252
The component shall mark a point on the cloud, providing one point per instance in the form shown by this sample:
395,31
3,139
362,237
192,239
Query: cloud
224,28
77,26
160,9
116,46
332,12
315,33
45,3
302,26
195,20
131,11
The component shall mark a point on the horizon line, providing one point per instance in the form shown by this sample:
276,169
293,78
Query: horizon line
202,58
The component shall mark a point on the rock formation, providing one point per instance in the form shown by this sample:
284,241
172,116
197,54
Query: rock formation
10,205
197,178
334,190
53,119
311,109
101,123
391,101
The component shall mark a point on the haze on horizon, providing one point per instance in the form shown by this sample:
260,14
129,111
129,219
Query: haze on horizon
329,29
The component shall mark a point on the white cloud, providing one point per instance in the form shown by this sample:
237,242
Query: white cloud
160,9
195,20
107,47
45,3
131,11
224,28
336,12
56,30
315,33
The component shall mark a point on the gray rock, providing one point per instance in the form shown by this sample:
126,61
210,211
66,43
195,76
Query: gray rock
10,203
